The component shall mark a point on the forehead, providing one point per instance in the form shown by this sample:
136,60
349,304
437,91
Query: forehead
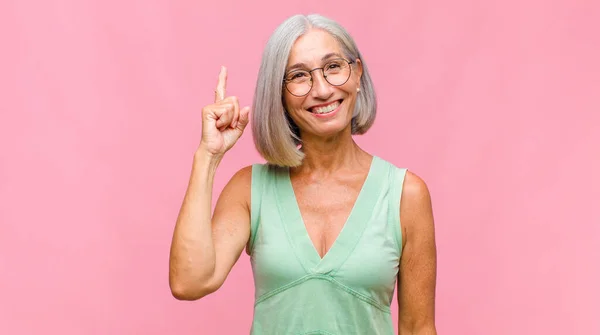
312,46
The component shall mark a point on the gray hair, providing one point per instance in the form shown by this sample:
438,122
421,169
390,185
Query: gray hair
276,136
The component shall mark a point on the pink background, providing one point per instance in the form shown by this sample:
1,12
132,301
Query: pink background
494,103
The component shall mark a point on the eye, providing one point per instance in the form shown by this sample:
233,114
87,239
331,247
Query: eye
332,66
297,76
335,66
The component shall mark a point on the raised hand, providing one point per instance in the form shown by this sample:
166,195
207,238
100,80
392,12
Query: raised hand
222,122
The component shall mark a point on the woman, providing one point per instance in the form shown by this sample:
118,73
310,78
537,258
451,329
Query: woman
330,229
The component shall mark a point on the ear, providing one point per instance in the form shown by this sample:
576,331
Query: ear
358,70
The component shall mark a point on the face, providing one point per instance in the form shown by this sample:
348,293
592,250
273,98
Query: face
327,109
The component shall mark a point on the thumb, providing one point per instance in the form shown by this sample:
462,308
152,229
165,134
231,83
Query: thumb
244,118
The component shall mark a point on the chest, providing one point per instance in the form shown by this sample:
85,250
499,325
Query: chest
342,229
325,208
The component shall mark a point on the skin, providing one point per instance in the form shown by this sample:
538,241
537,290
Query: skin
326,185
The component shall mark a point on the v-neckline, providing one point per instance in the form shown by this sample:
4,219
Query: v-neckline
348,236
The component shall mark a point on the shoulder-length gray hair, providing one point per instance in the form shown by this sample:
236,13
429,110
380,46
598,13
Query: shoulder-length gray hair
276,136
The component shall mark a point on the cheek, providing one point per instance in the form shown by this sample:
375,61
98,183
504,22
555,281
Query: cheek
291,109
291,103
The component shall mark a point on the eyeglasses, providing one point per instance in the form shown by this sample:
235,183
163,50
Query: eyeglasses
336,72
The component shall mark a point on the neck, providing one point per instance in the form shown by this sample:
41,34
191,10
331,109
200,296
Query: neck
328,155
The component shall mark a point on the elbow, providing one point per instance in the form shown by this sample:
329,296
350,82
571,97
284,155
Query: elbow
185,294
186,291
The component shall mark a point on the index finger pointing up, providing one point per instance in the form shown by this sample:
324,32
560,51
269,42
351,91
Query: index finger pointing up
221,85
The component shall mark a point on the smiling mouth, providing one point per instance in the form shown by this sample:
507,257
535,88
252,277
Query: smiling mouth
326,109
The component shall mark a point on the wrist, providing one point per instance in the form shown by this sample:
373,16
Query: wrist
205,158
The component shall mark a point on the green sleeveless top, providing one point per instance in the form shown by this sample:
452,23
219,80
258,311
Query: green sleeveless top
350,289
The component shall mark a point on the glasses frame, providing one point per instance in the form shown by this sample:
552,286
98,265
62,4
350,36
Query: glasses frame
285,81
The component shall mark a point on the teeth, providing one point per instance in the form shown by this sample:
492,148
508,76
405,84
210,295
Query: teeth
326,109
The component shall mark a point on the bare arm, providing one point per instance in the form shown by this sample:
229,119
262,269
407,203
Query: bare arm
204,250
417,276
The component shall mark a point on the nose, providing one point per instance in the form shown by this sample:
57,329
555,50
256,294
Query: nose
321,89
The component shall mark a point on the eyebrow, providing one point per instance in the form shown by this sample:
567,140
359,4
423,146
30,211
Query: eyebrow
302,65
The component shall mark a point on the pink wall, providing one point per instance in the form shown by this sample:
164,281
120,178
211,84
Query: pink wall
496,104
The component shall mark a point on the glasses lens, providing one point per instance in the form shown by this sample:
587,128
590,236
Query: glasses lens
337,72
298,82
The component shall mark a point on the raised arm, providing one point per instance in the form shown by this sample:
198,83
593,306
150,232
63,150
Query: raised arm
205,248
417,276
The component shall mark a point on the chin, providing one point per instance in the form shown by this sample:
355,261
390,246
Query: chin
333,127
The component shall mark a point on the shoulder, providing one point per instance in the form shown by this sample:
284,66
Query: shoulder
245,177
415,190
416,213
413,186
415,210
239,187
